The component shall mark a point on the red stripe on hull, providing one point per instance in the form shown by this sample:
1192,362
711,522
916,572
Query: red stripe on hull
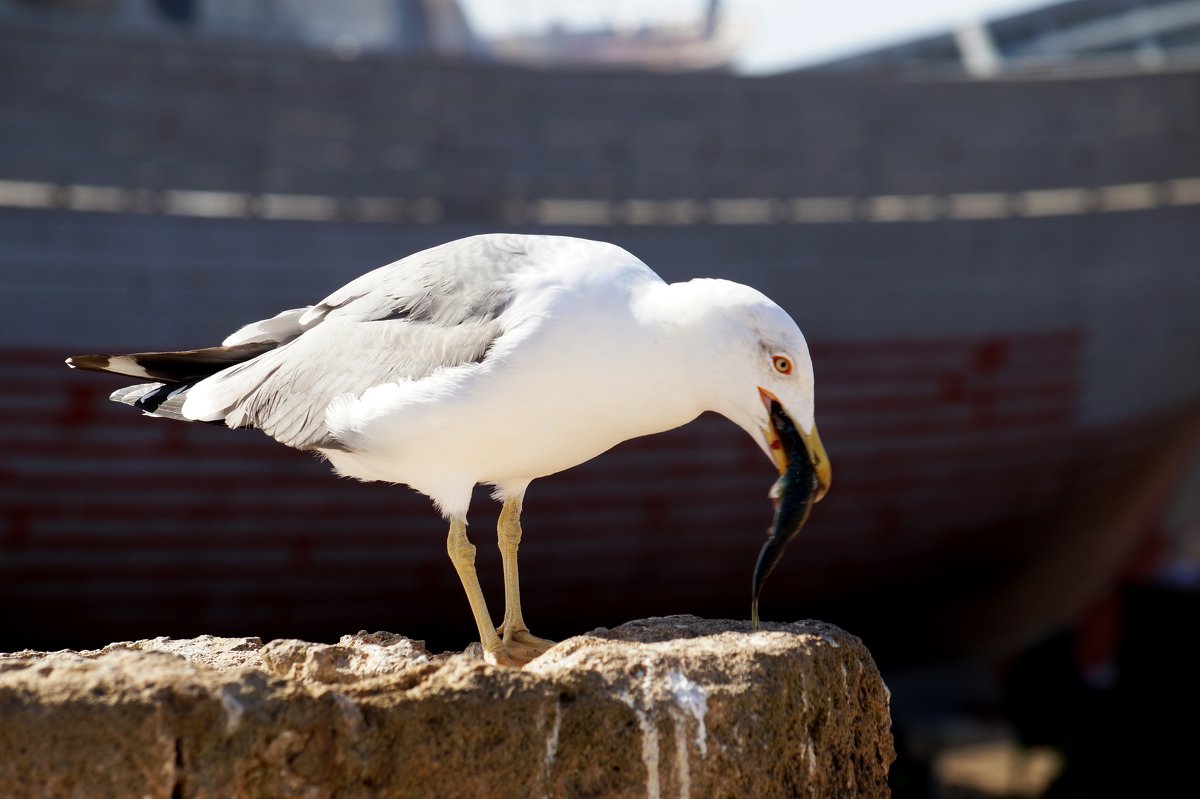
953,458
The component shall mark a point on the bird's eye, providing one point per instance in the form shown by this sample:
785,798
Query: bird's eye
782,365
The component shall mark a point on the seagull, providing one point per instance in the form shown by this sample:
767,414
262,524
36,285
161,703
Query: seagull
494,360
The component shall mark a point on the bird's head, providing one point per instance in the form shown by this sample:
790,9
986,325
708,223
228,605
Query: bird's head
764,383
765,365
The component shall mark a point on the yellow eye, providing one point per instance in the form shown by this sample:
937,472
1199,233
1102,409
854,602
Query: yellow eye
782,365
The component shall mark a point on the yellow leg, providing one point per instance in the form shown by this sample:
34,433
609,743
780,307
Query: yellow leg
517,641
462,555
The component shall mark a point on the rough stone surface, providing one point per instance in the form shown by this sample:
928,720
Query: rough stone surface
666,707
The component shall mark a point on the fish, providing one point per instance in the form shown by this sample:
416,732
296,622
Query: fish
793,496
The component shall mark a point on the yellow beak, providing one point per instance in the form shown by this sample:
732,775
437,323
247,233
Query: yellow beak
812,442
820,462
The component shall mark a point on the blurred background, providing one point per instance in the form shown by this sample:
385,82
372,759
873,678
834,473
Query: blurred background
984,215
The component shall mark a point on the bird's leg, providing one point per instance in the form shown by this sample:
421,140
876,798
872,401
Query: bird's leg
462,555
518,642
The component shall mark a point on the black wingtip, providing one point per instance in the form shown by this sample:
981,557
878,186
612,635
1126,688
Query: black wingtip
94,363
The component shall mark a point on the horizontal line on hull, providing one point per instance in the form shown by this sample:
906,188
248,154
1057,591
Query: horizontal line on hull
591,212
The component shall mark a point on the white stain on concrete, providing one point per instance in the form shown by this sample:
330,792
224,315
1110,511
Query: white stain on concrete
810,754
649,742
693,699
234,710
550,753
552,737
683,768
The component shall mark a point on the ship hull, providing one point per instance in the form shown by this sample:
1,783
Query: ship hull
973,492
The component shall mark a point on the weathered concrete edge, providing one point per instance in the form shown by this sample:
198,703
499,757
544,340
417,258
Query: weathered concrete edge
715,710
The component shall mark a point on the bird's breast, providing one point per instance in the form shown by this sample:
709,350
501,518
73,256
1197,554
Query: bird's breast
513,430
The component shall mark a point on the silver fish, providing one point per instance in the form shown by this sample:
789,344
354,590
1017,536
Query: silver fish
793,495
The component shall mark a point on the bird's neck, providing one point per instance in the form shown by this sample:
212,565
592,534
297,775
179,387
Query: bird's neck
694,332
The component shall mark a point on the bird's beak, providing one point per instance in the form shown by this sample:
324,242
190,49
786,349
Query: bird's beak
812,442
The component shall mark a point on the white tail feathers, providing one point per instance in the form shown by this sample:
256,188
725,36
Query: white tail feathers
281,327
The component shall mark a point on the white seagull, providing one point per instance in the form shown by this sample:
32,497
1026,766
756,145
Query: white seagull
495,360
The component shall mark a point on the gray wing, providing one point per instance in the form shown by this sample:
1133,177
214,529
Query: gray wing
461,281
436,309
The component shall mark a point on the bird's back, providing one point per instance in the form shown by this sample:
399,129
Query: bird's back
437,309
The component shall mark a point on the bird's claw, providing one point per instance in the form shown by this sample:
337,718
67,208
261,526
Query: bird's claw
516,648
